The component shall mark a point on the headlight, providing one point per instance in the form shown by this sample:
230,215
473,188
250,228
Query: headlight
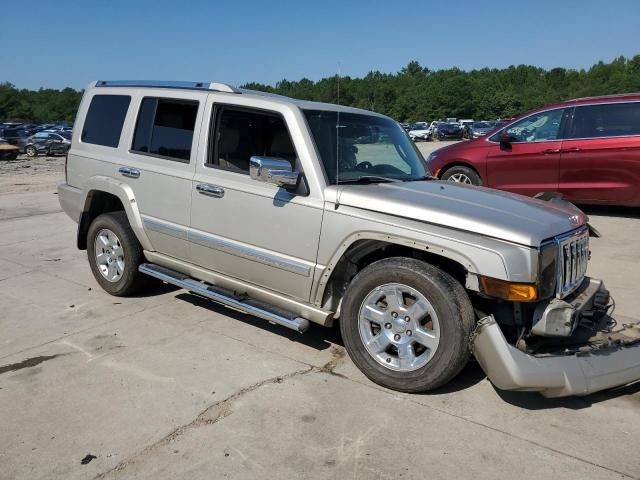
547,270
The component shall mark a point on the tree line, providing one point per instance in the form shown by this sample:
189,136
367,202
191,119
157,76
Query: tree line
414,93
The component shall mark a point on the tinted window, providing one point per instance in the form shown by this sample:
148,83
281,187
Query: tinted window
165,127
103,124
608,120
241,134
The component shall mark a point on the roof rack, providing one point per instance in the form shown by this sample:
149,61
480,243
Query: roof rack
212,86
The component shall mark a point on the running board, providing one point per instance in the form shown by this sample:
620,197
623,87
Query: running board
227,297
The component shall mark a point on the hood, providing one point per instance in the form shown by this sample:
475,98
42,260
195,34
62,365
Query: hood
494,213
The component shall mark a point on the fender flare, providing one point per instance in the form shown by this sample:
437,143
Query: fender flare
122,191
465,260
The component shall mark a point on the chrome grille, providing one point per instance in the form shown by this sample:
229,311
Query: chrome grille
573,258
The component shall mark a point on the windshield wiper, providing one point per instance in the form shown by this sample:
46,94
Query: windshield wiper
419,179
369,179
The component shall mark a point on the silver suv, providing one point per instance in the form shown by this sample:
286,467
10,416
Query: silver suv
300,212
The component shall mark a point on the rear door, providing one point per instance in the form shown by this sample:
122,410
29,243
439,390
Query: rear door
600,160
531,163
162,143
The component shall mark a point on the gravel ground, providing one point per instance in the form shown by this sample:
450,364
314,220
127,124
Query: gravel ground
26,174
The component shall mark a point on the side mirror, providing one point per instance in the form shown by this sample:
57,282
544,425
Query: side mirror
505,142
273,170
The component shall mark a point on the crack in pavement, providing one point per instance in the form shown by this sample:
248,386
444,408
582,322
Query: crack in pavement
494,429
223,408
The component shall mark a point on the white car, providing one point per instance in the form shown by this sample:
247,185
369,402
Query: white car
420,131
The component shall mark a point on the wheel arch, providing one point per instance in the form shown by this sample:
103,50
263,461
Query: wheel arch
102,195
353,256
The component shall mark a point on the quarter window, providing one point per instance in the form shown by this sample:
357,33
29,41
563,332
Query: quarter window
104,120
538,127
165,128
607,120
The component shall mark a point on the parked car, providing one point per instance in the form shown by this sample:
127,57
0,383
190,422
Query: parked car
277,211
47,142
7,151
586,149
420,131
449,130
433,128
14,135
479,129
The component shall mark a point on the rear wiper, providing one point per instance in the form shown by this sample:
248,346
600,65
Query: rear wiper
369,179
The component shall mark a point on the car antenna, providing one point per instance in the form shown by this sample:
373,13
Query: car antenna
338,134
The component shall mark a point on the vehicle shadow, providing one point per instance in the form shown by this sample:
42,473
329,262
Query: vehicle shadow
611,211
469,376
317,337
535,401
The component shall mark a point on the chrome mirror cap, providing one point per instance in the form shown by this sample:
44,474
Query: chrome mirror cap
273,170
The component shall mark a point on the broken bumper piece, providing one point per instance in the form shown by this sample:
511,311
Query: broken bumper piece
582,373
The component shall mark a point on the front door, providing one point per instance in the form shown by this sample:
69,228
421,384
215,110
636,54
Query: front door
246,229
529,163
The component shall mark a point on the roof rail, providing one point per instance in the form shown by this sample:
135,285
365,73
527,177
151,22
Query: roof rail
212,86
595,97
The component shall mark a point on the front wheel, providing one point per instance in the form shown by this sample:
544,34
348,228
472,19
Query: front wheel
31,151
406,324
115,254
462,174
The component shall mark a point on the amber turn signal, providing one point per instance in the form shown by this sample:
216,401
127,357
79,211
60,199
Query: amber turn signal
514,292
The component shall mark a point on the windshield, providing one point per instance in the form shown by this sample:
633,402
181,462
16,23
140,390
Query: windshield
481,125
66,135
362,146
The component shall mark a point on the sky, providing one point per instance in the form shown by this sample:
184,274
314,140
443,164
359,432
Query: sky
57,44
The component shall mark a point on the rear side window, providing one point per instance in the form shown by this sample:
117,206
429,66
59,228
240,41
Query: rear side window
104,120
165,128
607,120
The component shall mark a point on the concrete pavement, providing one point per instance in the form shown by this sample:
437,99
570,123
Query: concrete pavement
167,385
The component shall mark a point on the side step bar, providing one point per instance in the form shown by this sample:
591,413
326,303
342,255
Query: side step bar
227,297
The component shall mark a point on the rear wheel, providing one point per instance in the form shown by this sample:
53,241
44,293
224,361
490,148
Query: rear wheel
462,174
406,324
115,254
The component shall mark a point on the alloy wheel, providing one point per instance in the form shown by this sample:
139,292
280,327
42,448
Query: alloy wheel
399,327
460,178
109,255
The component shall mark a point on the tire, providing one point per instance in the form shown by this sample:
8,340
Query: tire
31,151
462,174
123,250
451,318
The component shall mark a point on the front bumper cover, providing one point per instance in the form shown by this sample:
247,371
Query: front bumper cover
611,362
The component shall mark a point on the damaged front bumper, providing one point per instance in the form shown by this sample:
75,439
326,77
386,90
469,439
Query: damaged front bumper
611,360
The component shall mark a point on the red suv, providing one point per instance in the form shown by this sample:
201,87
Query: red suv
587,149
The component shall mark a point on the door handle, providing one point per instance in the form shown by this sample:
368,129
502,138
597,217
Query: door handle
571,150
129,172
550,151
210,190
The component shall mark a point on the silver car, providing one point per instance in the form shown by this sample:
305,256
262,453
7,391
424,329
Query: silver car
300,212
